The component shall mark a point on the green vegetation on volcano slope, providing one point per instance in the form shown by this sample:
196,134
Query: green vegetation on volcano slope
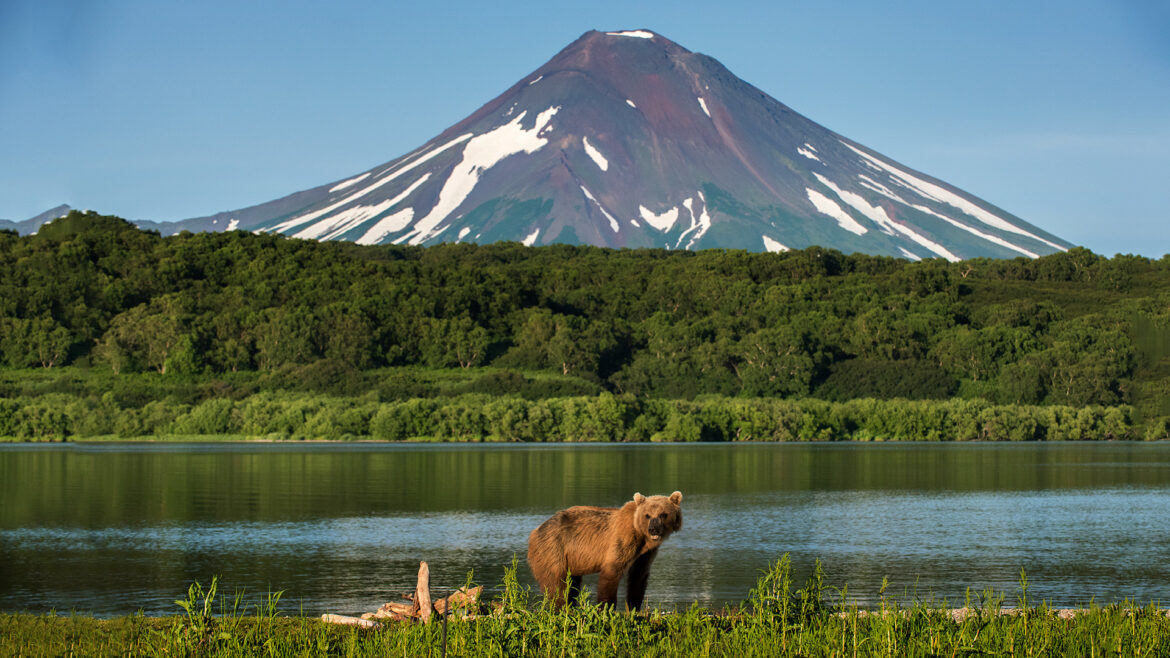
205,313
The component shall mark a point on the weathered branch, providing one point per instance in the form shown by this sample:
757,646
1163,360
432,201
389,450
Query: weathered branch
422,593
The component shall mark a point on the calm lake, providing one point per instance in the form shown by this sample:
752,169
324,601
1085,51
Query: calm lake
115,528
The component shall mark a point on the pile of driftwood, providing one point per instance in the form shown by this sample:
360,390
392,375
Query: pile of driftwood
418,607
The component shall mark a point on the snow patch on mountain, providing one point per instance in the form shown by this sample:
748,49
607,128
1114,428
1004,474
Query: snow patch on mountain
637,34
398,171
344,184
937,193
662,221
407,164
387,225
596,155
773,246
689,205
631,103
463,232
704,221
699,225
909,254
995,239
858,203
613,223
704,224
481,153
703,104
809,152
920,239
339,223
887,224
872,184
827,206
233,225
531,239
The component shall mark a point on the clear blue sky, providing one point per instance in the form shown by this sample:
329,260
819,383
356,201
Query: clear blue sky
1057,111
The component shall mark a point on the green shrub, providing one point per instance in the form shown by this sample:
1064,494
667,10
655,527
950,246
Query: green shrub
216,416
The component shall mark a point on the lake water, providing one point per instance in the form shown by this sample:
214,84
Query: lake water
112,529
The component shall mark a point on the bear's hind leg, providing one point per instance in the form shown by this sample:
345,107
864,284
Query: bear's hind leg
564,589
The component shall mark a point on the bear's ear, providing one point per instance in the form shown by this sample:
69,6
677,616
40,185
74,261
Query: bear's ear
639,499
676,497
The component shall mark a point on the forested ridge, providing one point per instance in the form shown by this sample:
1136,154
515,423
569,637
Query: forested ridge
91,302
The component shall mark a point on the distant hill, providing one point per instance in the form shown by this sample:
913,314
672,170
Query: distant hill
31,224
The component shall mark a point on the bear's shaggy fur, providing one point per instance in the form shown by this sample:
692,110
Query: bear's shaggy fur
606,540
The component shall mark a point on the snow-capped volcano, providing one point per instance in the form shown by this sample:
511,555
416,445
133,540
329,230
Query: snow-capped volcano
626,139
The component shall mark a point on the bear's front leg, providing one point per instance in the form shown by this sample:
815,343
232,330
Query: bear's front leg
574,589
607,586
639,577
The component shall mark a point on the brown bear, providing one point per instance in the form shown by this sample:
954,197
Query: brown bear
607,540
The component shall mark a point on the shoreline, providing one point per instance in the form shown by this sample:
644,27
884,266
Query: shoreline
259,439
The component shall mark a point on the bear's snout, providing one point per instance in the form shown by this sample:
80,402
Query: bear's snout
657,527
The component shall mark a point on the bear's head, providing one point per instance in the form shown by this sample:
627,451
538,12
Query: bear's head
656,517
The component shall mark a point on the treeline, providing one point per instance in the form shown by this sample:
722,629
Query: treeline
602,418
1073,329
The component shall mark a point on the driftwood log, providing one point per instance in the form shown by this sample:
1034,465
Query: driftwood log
392,610
418,605
461,598
349,621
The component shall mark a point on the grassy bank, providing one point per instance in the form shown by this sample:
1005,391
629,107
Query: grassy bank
776,620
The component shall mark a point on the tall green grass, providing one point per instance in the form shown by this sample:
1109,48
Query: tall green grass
777,619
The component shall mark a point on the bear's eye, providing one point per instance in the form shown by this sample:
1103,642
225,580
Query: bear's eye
647,516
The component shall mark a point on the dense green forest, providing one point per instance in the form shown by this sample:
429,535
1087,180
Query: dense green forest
107,329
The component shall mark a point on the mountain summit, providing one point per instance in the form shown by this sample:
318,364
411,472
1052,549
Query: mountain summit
626,139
